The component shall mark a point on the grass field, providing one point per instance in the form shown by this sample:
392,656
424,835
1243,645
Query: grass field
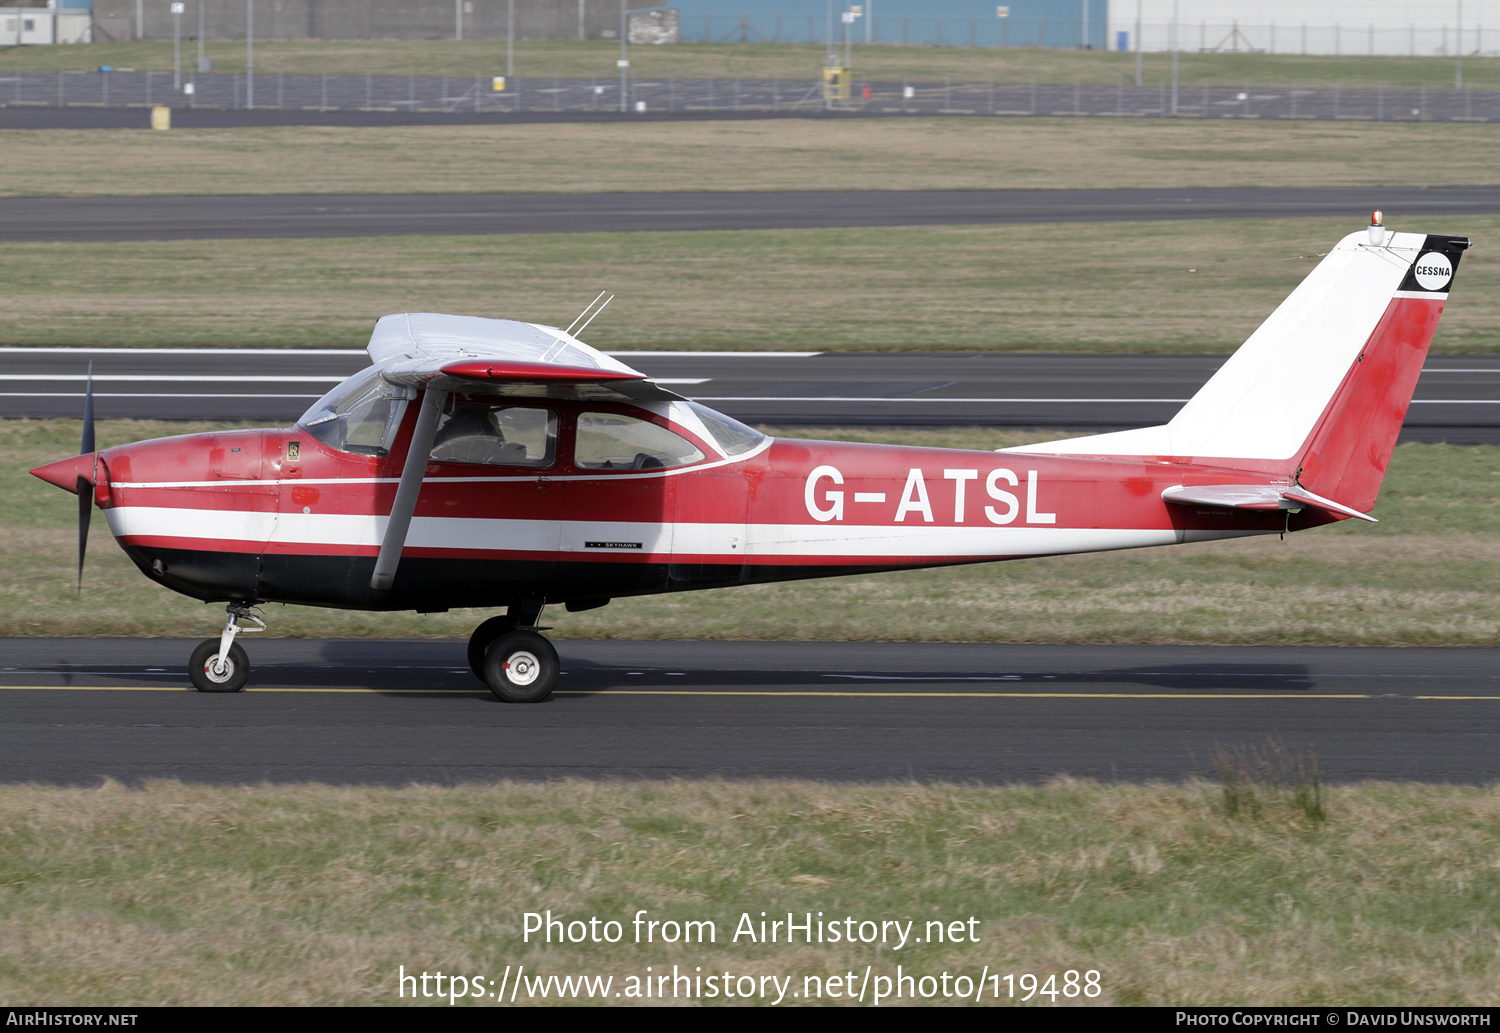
886,63
1136,287
177,895
782,154
1424,575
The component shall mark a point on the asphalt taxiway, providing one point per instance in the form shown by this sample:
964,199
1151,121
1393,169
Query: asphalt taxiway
374,712
1457,399
370,215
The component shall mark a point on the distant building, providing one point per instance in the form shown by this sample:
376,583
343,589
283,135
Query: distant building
1343,27
33,22
1346,27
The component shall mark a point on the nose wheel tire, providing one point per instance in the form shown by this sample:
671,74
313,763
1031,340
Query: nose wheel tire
231,679
521,667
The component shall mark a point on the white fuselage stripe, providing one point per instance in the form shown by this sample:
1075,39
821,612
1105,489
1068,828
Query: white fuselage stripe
875,542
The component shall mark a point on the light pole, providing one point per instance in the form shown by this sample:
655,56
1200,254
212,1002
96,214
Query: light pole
624,61
177,46
1458,67
510,39
1137,42
249,53
1174,56
1086,24
200,39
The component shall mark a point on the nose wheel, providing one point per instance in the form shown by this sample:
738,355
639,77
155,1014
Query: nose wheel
220,664
208,675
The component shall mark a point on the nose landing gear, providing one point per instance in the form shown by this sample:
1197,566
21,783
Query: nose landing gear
220,665
508,655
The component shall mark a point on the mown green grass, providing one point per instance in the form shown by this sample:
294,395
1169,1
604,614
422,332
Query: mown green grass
1198,286
180,895
886,62
1424,575
747,155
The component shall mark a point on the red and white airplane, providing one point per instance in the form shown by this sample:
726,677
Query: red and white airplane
495,463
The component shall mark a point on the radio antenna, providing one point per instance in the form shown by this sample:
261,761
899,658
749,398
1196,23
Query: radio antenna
585,312
598,310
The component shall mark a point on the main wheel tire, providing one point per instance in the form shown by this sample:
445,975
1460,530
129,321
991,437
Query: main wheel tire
236,668
479,642
521,667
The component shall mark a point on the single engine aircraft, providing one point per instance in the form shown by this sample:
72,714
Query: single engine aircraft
493,463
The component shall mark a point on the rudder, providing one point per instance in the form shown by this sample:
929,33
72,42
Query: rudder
1348,451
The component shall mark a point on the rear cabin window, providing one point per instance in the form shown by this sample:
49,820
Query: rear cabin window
495,435
608,441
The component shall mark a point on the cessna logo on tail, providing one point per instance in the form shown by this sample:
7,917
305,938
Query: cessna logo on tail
1433,271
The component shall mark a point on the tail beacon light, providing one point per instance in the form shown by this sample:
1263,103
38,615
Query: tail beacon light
1377,228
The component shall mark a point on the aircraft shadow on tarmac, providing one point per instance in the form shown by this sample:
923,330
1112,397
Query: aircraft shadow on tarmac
440,669
587,676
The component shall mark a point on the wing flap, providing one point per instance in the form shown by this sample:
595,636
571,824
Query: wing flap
1257,496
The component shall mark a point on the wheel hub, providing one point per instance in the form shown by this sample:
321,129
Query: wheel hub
522,668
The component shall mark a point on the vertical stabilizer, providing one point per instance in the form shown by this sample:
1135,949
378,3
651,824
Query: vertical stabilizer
1318,393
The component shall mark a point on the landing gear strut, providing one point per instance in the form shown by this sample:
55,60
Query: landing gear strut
508,655
220,665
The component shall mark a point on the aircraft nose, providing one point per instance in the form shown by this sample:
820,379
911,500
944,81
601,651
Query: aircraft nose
65,472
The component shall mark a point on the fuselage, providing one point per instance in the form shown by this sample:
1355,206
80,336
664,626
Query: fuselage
286,516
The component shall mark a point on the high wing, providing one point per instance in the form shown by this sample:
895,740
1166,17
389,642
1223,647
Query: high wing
445,354
472,355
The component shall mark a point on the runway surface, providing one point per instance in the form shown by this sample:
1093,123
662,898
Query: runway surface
77,710
1457,398
365,215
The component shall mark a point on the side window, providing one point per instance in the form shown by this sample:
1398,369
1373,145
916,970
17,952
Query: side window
495,435
607,441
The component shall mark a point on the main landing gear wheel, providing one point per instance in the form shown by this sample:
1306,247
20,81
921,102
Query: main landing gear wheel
231,678
521,667
479,642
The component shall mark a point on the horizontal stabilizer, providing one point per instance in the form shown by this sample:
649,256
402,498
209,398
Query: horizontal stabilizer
1257,496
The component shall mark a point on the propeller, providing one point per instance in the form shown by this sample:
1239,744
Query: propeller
85,486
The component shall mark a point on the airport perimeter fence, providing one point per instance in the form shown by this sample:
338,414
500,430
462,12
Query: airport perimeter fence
532,96
1339,39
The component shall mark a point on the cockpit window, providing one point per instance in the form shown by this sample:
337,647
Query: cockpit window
361,415
608,441
495,435
733,436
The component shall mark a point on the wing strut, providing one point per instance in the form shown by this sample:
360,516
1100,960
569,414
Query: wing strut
407,491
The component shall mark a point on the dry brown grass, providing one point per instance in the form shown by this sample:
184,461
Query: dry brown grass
1157,287
314,895
927,154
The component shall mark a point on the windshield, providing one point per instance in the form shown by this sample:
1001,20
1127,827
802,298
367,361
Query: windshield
733,436
361,415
